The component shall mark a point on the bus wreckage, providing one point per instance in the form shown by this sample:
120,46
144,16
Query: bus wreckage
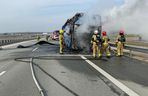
78,32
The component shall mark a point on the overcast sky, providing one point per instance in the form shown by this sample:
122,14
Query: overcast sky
45,15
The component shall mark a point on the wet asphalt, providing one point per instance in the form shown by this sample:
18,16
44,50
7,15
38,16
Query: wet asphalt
133,73
67,76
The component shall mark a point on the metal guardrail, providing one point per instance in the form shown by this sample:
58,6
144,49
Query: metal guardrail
11,41
133,48
10,38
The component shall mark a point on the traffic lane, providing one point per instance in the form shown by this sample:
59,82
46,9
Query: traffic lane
46,49
9,55
23,53
63,77
17,81
34,51
131,72
12,53
125,68
15,77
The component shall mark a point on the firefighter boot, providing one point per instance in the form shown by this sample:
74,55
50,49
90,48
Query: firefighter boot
61,49
100,53
108,53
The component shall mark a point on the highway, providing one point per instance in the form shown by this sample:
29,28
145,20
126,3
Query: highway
69,74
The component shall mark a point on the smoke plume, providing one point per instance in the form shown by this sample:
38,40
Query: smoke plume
89,22
132,17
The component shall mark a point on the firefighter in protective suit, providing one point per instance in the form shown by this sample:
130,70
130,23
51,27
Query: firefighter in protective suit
95,40
38,38
61,40
120,41
105,44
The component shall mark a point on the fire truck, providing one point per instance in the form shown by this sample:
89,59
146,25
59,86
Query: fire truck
55,35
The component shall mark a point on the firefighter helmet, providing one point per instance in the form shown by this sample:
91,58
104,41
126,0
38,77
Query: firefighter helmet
104,33
121,32
96,32
61,31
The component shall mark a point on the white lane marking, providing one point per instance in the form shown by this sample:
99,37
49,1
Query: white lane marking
34,49
2,73
112,79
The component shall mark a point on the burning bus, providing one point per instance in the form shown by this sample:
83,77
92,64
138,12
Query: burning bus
79,29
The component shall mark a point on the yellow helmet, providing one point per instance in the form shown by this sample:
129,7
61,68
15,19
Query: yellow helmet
61,31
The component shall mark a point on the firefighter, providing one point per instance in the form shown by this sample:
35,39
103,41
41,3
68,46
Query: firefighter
120,41
95,40
38,37
61,40
105,44
47,37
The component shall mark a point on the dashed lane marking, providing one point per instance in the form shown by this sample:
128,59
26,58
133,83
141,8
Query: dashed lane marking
112,79
2,73
34,49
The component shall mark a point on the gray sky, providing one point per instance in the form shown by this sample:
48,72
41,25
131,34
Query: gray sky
45,15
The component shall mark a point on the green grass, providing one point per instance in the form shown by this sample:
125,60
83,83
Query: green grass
138,43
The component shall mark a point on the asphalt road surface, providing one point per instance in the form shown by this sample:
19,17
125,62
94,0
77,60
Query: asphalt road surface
67,75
